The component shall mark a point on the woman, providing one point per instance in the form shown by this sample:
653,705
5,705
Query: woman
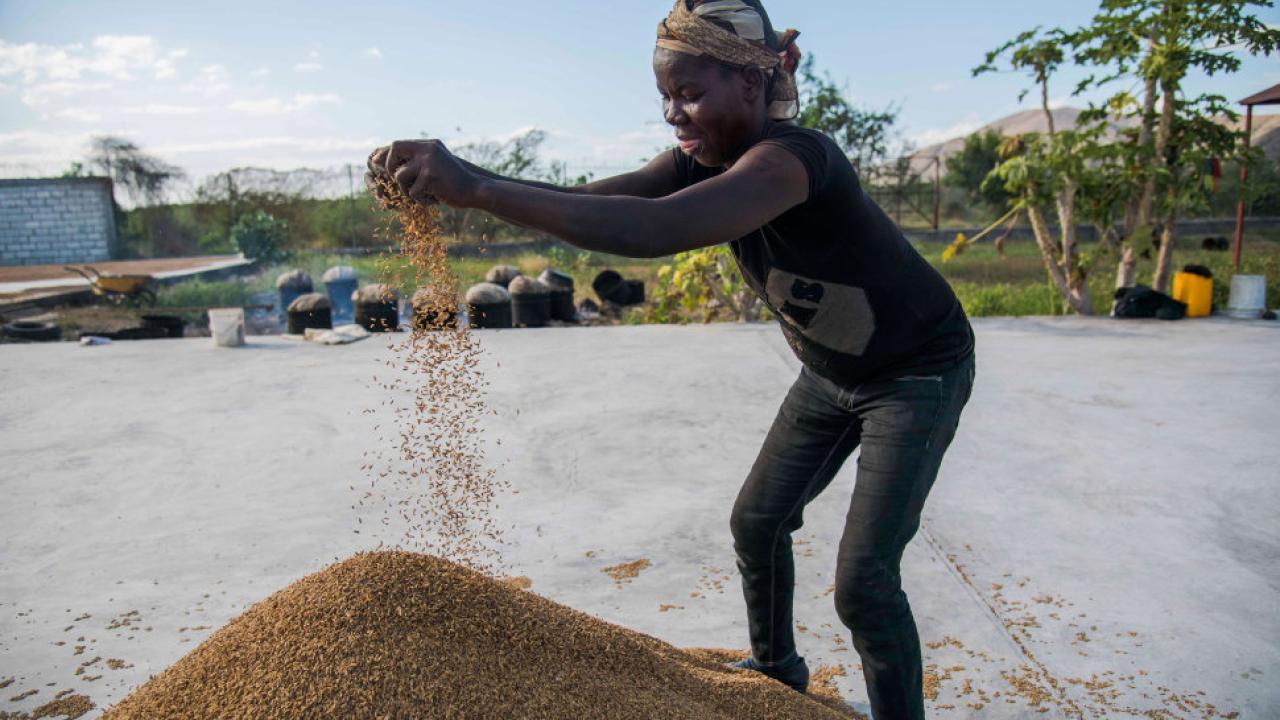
887,352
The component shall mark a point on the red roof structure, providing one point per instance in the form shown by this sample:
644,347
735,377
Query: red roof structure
1270,96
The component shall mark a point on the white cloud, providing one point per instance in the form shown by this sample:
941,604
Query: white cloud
213,80
161,109
465,139
311,64
629,147
373,52
79,115
305,145
939,87
37,95
937,135
115,56
33,61
278,106
260,72
42,151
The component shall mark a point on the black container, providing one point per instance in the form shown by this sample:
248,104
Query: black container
301,320
530,310
172,325
428,318
554,279
561,286
312,310
610,286
562,305
490,315
635,292
378,316
502,275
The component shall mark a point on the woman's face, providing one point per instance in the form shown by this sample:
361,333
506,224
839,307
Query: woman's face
716,111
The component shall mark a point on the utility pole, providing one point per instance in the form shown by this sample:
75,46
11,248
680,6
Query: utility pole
231,207
351,205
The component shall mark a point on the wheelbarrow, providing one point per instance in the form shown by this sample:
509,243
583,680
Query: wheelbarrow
115,286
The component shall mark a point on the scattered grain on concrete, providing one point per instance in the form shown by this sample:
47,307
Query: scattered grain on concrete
68,706
623,573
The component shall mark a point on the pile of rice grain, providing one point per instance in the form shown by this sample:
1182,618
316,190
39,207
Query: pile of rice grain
403,635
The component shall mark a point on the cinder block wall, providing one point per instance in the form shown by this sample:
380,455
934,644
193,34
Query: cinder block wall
56,220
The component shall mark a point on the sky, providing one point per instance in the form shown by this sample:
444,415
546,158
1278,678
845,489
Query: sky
285,84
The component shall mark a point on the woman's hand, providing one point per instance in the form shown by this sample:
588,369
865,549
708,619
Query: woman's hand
424,170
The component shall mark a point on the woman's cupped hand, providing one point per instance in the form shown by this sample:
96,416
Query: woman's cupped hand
423,171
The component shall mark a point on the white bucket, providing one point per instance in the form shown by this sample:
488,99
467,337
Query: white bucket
227,326
1248,297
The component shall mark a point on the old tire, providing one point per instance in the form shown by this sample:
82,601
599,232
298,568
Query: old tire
32,331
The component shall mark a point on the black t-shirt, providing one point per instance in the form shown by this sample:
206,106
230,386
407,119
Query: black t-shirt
856,302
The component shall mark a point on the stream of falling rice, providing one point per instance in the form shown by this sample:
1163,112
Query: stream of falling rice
428,469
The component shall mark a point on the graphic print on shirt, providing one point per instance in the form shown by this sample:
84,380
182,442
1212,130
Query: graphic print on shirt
835,316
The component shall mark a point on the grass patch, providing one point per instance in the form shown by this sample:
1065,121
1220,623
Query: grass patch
986,283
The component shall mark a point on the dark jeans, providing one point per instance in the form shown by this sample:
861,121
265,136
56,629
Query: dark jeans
904,426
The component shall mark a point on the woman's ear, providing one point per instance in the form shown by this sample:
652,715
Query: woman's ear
754,84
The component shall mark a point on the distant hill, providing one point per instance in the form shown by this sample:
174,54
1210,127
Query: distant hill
1266,132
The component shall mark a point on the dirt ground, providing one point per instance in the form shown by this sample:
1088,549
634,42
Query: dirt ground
30,273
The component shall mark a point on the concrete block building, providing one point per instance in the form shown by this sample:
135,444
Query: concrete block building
57,220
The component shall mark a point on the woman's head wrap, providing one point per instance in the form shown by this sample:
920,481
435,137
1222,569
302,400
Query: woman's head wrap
736,32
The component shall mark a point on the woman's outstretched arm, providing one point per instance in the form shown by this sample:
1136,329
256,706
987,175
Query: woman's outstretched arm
764,183
657,178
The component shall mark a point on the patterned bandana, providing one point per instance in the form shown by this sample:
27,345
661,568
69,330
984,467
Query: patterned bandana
704,30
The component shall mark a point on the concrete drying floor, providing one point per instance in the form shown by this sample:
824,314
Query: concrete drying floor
1104,528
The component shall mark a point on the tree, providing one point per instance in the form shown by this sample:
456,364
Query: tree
864,135
1159,42
225,197
518,158
968,169
150,230
259,236
144,177
1044,170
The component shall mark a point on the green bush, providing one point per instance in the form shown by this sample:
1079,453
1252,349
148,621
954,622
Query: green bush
261,237
1005,299
207,294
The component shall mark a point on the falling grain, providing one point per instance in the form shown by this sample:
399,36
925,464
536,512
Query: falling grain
430,477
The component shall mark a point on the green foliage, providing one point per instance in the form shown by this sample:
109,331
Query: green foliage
703,283
1007,299
293,196
515,158
864,135
144,177
968,170
1261,190
206,294
1037,52
261,237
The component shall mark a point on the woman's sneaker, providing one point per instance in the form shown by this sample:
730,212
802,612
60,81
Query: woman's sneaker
792,672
